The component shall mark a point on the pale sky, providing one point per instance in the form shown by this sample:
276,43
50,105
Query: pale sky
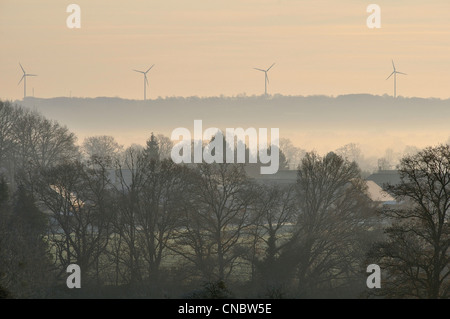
210,47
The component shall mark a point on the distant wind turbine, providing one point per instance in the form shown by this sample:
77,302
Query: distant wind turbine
266,78
24,78
145,80
395,72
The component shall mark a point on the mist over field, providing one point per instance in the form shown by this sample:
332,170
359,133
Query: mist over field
321,123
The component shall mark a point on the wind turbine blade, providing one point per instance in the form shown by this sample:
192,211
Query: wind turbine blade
390,75
393,65
138,71
30,74
267,78
402,73
150,68
22,68
21,79
146,80
260,70
270,67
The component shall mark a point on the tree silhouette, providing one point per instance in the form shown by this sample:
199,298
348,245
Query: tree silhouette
415,255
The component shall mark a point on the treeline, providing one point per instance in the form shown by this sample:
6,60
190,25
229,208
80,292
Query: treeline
139,225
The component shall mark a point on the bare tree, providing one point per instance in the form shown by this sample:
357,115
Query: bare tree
293,154
351,152
79,203
8,116
149,196
164,190
415,255
165,146
212,237
389,161
327,246
272,231
43,143
54,144
38,144
102,148
125,243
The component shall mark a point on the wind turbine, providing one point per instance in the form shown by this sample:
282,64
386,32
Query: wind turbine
395,72
145,79
24,78
266,78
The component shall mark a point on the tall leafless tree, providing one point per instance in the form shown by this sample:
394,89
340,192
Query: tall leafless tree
78,202
212,237
415,258
102,148
332,208
274,215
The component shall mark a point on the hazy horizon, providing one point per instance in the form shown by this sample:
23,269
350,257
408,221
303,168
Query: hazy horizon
210,48
320,123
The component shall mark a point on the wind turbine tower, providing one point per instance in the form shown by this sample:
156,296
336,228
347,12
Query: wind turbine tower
24,78
266,78
395,72
145,80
